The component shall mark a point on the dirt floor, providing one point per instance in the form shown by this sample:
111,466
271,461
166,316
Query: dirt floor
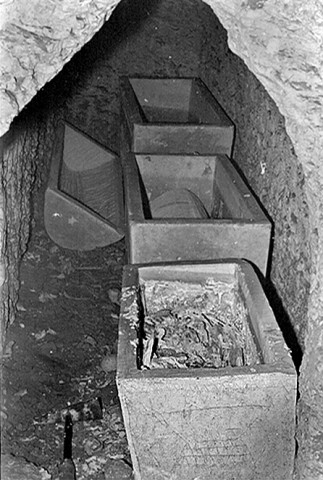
60,351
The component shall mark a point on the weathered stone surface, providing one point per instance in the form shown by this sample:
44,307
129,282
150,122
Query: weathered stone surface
117,469
17,468
2,271
22,168
266,156
281,43
38,39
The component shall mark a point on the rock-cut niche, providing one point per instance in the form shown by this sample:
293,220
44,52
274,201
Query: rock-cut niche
167,38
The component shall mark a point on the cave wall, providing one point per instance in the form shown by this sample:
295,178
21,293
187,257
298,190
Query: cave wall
38,39
141,38
17,177
24,153
4,318
280,44
266,156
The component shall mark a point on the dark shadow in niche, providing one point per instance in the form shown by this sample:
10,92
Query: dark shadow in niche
128,18
273,297
130,15
282,318
144,197
284,323
271,245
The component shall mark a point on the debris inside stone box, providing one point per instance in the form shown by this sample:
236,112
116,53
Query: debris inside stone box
194,325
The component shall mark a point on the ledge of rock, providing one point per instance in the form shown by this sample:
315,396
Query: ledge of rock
17,468
37,39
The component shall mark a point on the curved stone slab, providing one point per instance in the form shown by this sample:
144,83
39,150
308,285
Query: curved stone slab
83,205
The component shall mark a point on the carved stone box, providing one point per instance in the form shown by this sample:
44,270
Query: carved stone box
186,207
190,421
174,115
83,206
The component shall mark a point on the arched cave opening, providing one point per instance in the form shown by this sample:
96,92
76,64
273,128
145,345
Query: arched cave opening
66,320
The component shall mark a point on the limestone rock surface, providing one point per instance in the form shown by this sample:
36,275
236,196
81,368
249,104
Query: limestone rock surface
281,43
37,39
17,468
